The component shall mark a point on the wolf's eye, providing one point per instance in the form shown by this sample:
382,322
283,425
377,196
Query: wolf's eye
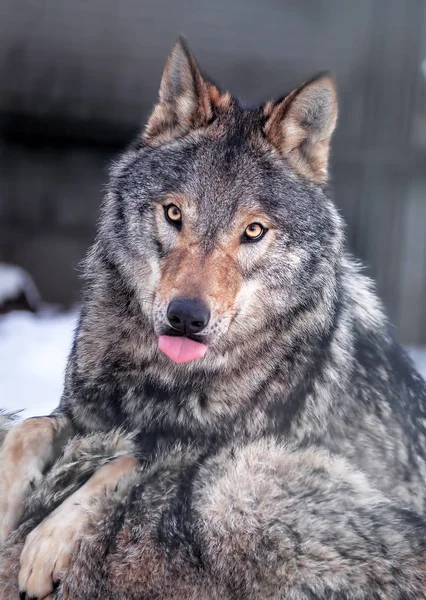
254,232
173,214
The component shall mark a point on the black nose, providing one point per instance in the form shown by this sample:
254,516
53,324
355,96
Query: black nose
188,316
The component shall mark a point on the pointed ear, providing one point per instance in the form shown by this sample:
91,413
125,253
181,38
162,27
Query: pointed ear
300,126
184,99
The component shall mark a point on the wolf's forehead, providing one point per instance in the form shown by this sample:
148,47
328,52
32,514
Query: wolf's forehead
223,180
219,201
217,177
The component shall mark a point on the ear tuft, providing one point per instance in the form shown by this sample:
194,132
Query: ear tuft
184,99
301,125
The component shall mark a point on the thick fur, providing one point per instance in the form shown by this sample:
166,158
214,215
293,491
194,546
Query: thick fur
290,461
258,520
309,355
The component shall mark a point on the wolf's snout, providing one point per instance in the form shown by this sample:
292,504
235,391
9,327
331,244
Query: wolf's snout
188,315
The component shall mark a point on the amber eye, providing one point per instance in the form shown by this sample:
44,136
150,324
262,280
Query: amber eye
173,214
254,232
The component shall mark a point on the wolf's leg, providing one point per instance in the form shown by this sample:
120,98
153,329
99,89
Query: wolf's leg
28,449
48,548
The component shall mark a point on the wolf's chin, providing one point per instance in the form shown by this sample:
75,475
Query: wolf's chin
181,349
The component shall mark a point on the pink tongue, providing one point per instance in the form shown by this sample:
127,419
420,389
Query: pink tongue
181,349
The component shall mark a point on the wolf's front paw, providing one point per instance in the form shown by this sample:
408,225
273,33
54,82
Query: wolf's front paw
20,470
15,483
48,548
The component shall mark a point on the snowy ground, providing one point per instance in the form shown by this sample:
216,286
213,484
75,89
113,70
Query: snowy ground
33,353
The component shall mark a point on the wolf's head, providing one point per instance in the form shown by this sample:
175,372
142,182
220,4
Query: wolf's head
217,217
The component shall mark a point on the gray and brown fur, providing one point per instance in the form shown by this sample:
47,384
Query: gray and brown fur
256,520
303,385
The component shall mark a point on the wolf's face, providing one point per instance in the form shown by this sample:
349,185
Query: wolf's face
218,218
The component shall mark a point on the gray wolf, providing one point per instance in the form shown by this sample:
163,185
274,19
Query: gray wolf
247,425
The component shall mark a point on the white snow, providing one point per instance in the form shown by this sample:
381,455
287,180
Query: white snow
14,281
33,354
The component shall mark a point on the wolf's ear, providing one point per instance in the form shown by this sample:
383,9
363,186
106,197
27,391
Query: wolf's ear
184,100
301,125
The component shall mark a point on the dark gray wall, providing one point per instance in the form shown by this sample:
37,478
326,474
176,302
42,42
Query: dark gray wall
78,77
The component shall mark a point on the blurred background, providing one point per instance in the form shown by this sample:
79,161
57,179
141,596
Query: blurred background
78,78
